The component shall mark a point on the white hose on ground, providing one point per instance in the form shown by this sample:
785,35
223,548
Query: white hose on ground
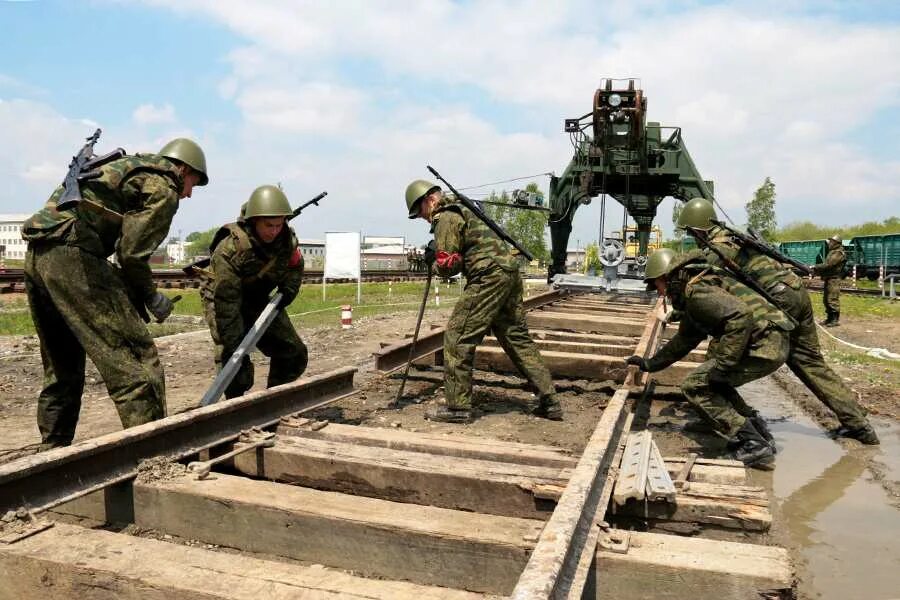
875,352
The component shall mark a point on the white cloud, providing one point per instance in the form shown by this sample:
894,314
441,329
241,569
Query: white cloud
311,108
323,90
150,114
758,93
45,172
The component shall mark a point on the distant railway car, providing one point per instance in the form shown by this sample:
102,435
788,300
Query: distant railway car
809,252
871,252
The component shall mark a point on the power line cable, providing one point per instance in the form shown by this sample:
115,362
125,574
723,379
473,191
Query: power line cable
472,187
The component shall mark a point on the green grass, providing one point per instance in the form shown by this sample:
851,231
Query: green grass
308,309
860,306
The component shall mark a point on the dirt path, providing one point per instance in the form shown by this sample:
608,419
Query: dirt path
187,359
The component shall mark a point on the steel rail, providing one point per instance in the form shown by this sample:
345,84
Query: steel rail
41,479
390,358
556,568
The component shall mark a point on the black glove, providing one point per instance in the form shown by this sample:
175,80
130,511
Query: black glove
159,306
638,361
430,253
287,296
716,375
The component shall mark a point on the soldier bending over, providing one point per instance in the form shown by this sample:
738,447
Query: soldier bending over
249,259
82,304
750,341
805,359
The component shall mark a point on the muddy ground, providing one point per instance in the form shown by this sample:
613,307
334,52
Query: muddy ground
187,358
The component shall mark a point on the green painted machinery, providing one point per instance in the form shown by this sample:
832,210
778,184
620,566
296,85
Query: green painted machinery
619,153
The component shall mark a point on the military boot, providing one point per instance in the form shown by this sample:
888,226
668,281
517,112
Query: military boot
752,449
445,414
832,320
865,434
547,407
829,319
763,428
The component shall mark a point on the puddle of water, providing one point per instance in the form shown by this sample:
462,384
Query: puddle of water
844,532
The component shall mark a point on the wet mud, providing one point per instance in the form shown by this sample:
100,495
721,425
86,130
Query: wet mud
832,501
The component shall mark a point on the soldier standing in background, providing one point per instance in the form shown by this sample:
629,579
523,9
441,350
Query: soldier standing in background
786,288
750,339
82,304
832,271
491,301
249,259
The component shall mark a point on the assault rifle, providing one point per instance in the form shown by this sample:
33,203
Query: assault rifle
204,262
484,218
755,242
85,165
736,270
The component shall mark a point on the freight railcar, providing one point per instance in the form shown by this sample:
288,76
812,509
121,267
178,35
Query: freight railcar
871,252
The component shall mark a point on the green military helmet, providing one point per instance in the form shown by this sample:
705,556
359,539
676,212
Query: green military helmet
697,214
415,191
658,264
267,201
188,152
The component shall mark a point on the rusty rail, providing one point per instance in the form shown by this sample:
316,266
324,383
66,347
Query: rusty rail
568,541
41,479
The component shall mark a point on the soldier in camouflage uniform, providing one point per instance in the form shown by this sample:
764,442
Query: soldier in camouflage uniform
491,301
751,340
832,271
786,288
249,259
82,304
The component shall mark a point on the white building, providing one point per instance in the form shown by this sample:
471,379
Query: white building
11,236
313,252
574,257
177,252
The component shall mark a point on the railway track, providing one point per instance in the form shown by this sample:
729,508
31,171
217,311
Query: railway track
13,280
387,513
818,287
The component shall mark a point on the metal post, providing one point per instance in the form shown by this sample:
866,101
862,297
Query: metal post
412,347
602,220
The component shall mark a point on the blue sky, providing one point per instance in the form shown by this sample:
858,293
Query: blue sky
356,97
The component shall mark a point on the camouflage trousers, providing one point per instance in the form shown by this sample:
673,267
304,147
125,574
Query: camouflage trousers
280,342
719,403
831,296
808,364
80,306
490,302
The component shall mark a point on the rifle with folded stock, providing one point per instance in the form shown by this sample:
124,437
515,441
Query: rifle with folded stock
755,241
84,165
484,218
204,262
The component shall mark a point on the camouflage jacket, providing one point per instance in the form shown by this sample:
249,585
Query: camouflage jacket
717,305
244,271
766,271
833,265
465,244
127,210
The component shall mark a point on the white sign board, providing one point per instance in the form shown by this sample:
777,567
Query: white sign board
342,255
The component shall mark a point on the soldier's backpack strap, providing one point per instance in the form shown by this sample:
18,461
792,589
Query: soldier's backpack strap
243,244
265,269
688,286
231,229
